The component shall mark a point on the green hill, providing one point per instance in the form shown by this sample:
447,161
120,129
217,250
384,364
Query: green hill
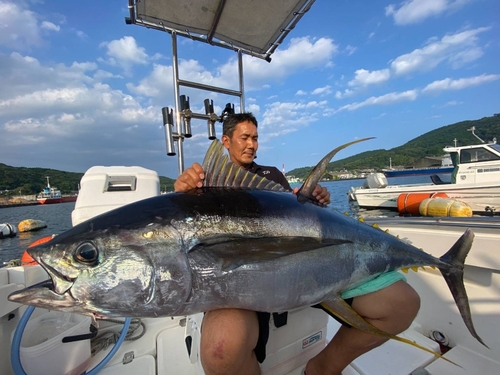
27,181
428,144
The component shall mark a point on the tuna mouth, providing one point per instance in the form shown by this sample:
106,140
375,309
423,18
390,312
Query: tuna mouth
43,295
60,282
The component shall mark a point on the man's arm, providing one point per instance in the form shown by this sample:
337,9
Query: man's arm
191,178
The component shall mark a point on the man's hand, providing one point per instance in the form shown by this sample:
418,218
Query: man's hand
320,193
191,178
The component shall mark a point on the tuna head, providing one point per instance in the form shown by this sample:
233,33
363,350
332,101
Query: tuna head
122,274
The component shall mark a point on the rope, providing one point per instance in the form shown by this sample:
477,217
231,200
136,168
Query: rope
104,340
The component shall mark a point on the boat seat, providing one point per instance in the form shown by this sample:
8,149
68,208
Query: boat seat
6,288
436,180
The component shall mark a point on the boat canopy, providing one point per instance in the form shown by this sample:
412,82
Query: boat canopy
255,27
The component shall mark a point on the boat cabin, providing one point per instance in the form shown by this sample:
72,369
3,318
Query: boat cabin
475,164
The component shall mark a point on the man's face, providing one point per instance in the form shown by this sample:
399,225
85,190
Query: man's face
242,146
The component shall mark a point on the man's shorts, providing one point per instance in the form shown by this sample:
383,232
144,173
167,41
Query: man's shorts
378,283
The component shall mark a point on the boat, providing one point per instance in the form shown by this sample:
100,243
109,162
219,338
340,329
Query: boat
445,168
171,345
51,194
475,180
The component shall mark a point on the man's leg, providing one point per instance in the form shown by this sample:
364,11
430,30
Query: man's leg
228,338
391,309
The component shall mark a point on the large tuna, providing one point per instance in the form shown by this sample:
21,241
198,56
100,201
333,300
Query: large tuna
240,242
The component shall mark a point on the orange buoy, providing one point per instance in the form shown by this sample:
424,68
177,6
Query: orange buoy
26,259
409,203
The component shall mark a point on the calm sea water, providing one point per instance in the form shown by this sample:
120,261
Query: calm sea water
58,216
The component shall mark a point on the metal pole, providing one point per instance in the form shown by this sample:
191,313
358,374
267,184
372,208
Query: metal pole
180,136
240,71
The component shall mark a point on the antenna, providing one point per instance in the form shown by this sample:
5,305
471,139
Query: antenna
472,130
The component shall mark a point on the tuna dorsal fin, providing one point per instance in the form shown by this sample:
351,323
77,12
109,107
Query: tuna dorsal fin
305,191
220,171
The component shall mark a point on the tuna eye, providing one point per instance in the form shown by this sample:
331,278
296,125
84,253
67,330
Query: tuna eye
86,253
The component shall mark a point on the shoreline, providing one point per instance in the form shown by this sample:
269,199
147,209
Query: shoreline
18,204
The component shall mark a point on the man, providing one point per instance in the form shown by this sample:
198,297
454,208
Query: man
233,340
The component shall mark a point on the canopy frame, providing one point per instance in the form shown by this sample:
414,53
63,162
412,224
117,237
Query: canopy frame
256,31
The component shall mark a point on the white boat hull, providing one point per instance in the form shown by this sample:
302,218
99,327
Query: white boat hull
438,312
482,199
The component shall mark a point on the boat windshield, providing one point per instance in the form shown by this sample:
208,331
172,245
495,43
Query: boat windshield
495,147
477,155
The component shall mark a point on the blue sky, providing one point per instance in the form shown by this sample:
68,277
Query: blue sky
80,88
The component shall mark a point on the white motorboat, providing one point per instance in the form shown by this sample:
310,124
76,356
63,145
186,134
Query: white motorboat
170,345
475,180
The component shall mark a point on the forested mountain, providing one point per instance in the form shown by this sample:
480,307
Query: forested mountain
428,144
25,181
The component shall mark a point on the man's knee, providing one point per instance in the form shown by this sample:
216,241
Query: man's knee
408,304
395,307
228,338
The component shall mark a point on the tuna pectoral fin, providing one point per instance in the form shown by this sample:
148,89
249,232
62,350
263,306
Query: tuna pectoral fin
305,191
236,252
337,307
454,276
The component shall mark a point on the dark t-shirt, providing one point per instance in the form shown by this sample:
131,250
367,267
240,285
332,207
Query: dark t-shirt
271,173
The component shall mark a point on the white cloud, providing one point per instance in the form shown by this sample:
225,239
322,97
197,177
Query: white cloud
387,99
300,54
254,108
364,77
463,57
322,91
350,50
457,48
459,84
452,103
379,116
125,52
346,93
56,110
301,92
101,75
22,75
81,35
286,117
50,26
414,11
18,26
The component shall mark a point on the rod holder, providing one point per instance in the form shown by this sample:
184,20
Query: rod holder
229,110
187,114
168,123
212,118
